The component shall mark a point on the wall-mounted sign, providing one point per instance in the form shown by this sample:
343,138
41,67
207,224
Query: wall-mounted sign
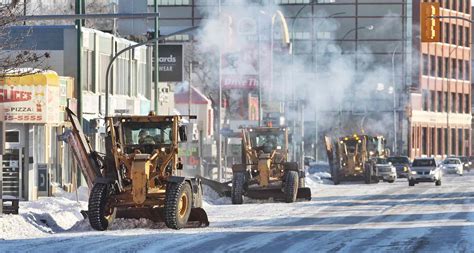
171,62
31,98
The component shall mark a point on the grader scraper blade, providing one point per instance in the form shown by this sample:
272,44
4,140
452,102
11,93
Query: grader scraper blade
277,193
223,189
197,218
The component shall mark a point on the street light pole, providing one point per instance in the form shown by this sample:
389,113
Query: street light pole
395,138
370,28
130,48
156,56
219,116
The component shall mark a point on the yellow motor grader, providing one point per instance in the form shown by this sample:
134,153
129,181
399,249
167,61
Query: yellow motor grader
138,176
352,157
265,171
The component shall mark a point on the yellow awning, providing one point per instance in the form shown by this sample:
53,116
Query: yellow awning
50,78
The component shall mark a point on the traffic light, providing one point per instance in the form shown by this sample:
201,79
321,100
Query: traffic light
429,25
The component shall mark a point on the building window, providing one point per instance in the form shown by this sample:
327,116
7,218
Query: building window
447,35
461,5
440,141
455,4
12,137
104,61
425,65
460,70
467,69
433,101
453,141
467,104
440,66
467,139
453,68
454,34
446,102
461,36
174,2
426,99
432,65
460,141
466,36
424,140
446,67
460,107
453,102
446,138
87,74
440,101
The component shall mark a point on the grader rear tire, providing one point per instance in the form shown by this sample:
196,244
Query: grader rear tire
291,186
237,193
178,203
100,217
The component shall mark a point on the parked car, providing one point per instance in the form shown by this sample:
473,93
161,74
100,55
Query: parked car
308,160
465,161
424,170
453,166
387,172
401,163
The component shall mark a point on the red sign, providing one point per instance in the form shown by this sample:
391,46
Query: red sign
12,95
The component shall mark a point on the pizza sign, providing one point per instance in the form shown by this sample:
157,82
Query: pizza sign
29,103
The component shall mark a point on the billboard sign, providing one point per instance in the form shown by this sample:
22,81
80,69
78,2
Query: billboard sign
171,62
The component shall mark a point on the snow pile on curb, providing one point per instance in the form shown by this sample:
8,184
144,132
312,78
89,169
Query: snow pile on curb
42,217
82,193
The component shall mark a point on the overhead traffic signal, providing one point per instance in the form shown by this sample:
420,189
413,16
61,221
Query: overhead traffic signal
430,26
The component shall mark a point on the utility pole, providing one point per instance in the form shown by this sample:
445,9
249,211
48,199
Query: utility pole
156,73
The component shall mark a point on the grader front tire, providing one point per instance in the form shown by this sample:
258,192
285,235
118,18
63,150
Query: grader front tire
100,216
178,203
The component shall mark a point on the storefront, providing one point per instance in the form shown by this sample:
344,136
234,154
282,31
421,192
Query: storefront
32,107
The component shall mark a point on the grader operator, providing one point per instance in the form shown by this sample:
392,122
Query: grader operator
265,171
139,175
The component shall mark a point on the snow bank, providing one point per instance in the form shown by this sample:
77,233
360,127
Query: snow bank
82,193
42,217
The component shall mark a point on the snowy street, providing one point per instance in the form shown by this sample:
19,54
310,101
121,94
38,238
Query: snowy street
350,217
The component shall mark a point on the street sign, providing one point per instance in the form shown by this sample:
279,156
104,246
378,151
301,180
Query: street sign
430,25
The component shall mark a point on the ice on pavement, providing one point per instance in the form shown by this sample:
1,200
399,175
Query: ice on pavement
51,215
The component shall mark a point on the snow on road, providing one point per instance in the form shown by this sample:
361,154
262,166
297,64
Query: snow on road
351,217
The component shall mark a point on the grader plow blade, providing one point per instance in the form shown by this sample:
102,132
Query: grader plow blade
304,193
197,218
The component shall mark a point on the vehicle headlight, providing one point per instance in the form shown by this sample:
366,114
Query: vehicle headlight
466,164
470,163
405,168
413,172
432,172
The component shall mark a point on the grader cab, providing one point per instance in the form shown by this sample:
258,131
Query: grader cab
139,175
351,157
265,171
